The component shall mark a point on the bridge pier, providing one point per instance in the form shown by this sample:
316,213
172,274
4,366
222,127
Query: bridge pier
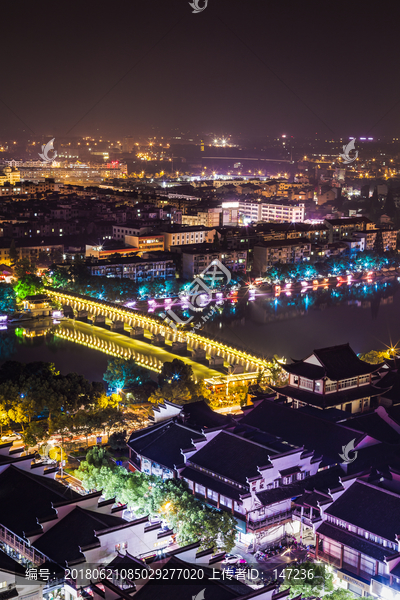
117,326
100,311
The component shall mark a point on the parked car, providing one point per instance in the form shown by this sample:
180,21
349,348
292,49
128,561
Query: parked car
232,559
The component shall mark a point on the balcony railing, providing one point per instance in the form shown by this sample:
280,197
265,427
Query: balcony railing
269,520
18,544
306,516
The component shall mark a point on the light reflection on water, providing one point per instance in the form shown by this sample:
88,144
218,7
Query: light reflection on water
365,315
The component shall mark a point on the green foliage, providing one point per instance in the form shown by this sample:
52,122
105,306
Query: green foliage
79,272
378,244
35,432
28,285
98,457
374,357
177,392
177,384
318,580
362,262
68,404
134,489
341,594
4,416
389,207
191,519
28,282
122,373
216,243
60,276
77,279
24,267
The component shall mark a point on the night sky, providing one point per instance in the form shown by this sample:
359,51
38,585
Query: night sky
250,68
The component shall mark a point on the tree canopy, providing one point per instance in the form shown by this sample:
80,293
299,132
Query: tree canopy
7,298
122,373
64,404
313,580
28,282
171,499
178,385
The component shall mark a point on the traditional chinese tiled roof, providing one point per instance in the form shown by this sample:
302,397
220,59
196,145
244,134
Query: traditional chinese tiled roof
336,363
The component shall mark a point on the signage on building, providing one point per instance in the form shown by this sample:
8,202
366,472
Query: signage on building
146,466
354,581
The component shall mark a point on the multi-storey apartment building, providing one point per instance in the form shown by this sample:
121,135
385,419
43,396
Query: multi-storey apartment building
179,236
280,211
342,229
267,254
195,260
136,268
36,250
389,238
10,175
227,214
119,231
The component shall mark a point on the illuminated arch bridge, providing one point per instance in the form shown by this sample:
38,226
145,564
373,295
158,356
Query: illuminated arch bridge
154,325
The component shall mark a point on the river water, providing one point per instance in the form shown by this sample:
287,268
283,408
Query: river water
291,325
84,348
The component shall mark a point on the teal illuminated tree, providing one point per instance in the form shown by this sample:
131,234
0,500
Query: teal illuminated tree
123,373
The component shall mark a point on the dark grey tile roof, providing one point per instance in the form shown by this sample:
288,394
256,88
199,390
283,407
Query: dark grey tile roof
325,480
25,497
232,456
375,426
304,369
163,443
353,541
198,415
296,427
390,385
63,541
10,565
341,362
215,589
369,507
